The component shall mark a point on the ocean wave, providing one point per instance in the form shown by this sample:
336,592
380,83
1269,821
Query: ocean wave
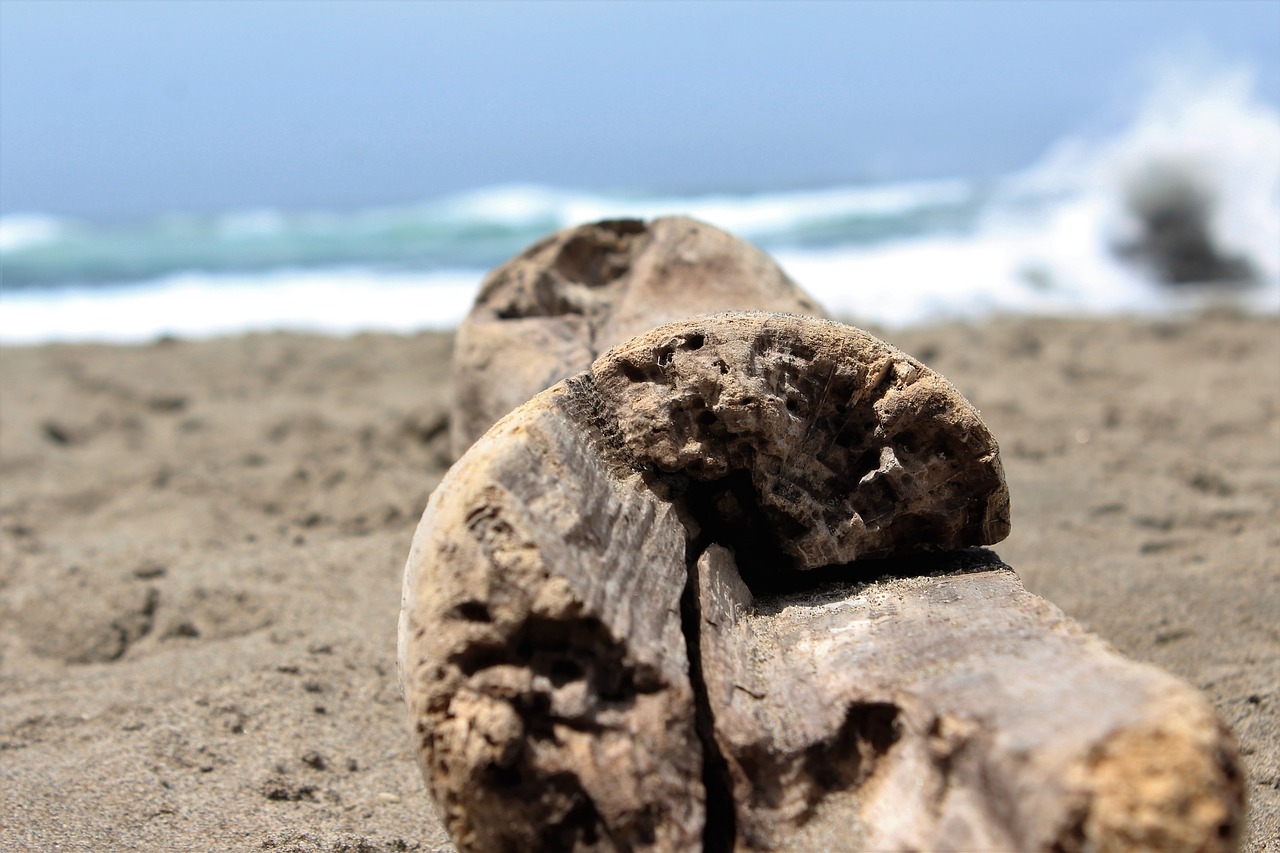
1041,271
1179,207
1203,152
478,228
763,216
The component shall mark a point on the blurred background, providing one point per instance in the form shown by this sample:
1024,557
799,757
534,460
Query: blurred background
205,168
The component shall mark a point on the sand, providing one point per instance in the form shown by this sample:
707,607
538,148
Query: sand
201,546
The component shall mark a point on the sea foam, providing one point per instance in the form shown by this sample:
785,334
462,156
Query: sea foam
26,230
195,305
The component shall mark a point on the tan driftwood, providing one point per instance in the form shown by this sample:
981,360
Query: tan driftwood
541,649
547,313
632,619
940,706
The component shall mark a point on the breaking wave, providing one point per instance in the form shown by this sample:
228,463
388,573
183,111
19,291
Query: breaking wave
1179,208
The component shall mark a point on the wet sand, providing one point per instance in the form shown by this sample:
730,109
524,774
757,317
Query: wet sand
201,546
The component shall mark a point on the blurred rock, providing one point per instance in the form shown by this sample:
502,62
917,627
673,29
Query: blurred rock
1174,208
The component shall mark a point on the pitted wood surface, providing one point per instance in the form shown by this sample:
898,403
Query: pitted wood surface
846,447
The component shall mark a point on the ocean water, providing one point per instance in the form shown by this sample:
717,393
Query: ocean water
1177,209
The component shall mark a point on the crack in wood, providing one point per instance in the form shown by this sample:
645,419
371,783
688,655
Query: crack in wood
720,827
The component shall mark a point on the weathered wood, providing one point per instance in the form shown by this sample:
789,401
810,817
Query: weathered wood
632,620
934,704
812,440
547,313
541,650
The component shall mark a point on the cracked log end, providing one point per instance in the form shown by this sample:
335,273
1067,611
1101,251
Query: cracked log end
837,445
546,313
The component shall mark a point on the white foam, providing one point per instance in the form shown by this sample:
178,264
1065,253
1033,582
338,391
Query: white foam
775,213
1200,124
25,230
751,215
1047,241
1055,269
1059,262
333,302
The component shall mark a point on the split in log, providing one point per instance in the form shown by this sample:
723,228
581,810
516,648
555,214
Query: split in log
547,313
632,620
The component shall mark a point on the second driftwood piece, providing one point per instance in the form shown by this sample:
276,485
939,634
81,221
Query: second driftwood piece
940,706
547,313
628,624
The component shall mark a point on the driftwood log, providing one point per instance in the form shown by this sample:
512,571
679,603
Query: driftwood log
547,313
940,706
640,613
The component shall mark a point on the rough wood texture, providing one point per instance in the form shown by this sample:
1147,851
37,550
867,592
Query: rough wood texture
541,649
547,313
623,629
940,706
812,439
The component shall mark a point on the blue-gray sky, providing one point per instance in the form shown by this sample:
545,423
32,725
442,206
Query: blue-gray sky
126,109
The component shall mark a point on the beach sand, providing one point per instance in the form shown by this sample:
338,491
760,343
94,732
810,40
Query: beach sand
201,546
